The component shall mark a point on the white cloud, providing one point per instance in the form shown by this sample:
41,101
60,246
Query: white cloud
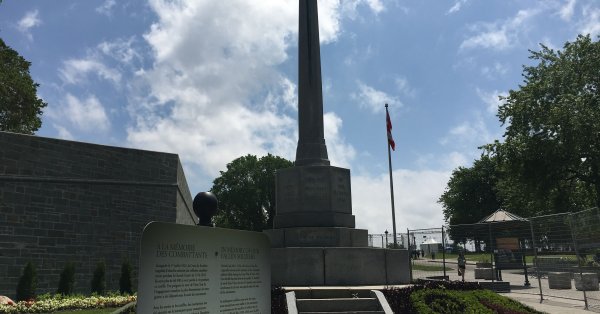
495,70
121,50
415,192
373,99
211,141
546,41
404,87
468,135
590,23
29,20
468,132
215,97
74,71
87,115
491,99
499,35
454,160
340,153
566,11
106,7
63,133
360,54
456,7
350,7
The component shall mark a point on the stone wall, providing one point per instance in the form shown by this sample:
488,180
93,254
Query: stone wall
65,201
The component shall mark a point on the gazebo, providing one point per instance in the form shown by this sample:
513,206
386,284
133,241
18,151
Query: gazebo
507,233
501,215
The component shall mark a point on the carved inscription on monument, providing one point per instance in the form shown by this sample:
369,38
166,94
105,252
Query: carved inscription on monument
315,185
190,269
340,189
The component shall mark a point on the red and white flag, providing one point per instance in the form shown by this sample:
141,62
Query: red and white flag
389,131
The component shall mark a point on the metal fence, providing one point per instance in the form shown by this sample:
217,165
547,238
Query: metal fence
555,255
386,240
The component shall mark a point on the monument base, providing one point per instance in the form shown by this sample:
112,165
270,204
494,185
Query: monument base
318,237
339,266
313,196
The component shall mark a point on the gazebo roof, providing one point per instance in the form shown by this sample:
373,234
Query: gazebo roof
500,216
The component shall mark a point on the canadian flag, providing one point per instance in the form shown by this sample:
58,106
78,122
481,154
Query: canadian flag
389,130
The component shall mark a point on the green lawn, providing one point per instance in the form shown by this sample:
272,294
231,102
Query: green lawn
429,267
472,257
485,257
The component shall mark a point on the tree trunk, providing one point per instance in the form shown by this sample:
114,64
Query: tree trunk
596,182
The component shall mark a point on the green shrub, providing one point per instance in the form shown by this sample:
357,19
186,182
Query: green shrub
66,283
99,279
440,301
27,283
441,297
449,285
399,298
125,286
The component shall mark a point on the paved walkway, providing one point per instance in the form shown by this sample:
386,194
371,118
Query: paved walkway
550,305
569,301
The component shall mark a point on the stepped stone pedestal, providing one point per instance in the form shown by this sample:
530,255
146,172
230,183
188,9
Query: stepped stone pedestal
314,239
314,209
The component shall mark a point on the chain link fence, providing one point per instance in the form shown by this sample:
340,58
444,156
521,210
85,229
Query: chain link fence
555,255
386,240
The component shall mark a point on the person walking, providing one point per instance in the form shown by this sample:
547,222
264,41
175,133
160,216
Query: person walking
462,264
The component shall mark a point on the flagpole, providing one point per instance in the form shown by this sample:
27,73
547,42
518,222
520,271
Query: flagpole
391,182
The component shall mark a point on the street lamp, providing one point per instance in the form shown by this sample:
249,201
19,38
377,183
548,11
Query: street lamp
386,238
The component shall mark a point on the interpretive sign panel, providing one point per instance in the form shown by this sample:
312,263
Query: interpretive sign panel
508,254
193,269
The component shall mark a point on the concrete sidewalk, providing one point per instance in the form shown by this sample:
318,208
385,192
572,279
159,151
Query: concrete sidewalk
551,305
568,301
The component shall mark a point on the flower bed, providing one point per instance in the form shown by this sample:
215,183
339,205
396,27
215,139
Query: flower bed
428,297
53,303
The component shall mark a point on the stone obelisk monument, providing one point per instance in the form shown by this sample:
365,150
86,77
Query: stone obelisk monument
314,238
311,148
313,193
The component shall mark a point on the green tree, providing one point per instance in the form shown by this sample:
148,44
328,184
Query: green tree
125,286
471,193
470,196
27,283
551,153
246,192
98,283
66,284
20,108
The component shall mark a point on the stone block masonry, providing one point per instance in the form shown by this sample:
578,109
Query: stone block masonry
65,201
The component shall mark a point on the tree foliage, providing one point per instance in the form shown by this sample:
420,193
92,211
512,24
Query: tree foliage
246,192
20,108
125,285
27,283
551,151
98,284
549,161
66,283
471,193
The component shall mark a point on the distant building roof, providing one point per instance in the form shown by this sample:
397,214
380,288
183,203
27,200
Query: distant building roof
502,215
430,241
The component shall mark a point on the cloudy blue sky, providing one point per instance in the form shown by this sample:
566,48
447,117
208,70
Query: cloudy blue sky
212,80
